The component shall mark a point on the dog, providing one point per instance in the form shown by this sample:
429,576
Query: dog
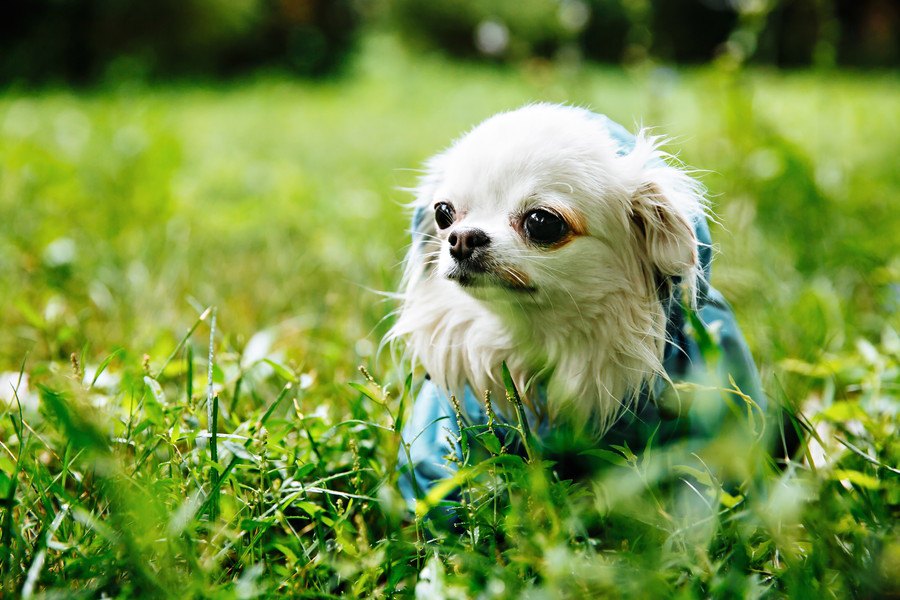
551,240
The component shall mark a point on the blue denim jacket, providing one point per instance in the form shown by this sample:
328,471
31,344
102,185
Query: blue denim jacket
433,431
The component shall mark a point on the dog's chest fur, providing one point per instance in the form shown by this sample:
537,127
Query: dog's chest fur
592,359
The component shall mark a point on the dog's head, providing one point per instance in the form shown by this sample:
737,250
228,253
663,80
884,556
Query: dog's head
543,203
548,219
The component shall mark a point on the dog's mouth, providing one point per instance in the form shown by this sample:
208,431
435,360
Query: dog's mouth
476,274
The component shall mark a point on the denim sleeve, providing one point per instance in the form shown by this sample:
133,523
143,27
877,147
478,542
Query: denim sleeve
735,359
432,433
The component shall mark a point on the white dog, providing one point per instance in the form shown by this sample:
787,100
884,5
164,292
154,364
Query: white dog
551,239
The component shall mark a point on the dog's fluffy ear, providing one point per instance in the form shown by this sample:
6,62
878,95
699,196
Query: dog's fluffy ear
666,205
666,233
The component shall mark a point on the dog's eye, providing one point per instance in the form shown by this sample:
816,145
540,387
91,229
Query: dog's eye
444,215
544,227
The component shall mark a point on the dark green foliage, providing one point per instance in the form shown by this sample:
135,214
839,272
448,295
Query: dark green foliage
688,31
532,27
781,32
82,41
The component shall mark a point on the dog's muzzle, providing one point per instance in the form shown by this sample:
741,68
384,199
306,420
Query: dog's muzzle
473,265
468,249
465,243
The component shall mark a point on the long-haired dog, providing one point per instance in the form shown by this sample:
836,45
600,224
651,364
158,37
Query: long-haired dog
552,240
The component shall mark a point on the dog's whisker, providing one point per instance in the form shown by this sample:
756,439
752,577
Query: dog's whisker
429,236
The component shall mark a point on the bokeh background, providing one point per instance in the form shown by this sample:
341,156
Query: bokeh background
160,158
249,154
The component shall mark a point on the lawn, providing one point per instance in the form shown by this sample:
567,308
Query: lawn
146,230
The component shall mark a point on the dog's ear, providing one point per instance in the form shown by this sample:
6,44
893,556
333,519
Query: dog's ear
666,234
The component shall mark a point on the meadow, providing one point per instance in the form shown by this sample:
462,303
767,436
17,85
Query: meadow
193,273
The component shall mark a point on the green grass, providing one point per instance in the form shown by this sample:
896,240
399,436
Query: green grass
126,212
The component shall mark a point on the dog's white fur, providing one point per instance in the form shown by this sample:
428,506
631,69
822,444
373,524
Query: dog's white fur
587,320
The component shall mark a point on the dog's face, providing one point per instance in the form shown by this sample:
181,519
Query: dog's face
512,213
544,243
537,206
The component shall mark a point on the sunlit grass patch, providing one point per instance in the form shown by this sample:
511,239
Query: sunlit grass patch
119,491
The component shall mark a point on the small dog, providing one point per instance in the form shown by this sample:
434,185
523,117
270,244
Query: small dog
551,239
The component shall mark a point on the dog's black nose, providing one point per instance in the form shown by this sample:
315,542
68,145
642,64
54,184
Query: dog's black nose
464,242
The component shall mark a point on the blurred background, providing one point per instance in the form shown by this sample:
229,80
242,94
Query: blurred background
159,158
80,41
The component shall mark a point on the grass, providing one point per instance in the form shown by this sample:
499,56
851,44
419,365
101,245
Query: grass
190,277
